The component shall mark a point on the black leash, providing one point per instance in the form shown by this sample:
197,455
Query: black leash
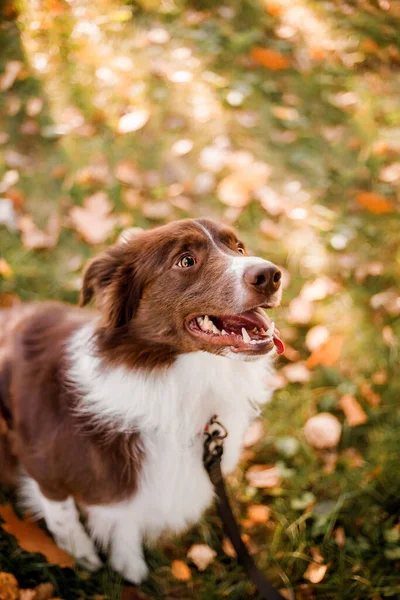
215,434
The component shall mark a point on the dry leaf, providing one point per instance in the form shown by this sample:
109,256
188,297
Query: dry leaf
318,289
368,393
5,269
93,221
11,72
258,513
228,548
127,171
285,113
323,431
26,595
315,572
300,311
44,591
296,373
261,476
353,411
202,555
374,202
327,354
339,536
391,173
9,589
316,336
133,121
180,570
33,238
269,59
254,433
237,189
32,538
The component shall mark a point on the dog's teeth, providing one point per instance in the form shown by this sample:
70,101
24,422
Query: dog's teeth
215,329
253,342
207,324
245,335
224,332
271,329
199,320
255,330
262,331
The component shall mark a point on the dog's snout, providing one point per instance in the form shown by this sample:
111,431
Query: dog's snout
265,278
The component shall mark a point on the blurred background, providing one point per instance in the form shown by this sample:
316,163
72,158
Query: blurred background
282,118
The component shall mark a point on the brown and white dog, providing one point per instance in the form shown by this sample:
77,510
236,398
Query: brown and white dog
104,411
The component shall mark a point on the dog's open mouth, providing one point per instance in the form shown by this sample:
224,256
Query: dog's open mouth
251,331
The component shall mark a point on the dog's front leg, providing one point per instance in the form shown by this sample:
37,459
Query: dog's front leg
62,519
236,425
126,554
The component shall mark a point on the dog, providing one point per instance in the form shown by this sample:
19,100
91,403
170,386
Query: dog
102,412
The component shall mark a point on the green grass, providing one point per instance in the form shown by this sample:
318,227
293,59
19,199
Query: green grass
332,151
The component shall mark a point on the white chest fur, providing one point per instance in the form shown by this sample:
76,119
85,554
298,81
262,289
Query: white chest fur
170,409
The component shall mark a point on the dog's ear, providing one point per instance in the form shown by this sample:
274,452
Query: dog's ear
112,279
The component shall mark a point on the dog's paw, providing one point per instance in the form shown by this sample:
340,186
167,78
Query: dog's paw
81,547
135,571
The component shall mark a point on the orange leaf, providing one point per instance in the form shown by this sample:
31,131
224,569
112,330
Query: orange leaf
32,538
353,411
180,570
269,59
258,513
263,476
374,202
9,589
315,572
328,353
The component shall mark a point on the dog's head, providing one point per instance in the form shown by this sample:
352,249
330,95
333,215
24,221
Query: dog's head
182,287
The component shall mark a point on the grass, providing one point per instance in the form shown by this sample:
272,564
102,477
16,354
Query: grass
328,127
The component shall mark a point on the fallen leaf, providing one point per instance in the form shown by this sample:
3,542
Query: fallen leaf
388,299
274,61
93,221
259,513
156,210
26,595
9,589
5,269
127,171
323,431
33,238
237,189
285,113
260,476
32,538
355,415
180,570
202,555
296,373
316,336
10,178
33,106
374,202
133,121
369,394
318,289
44,591
16,196
354,458
11,72
228,548
96,173
271,229
300,310
254,433
391,173
7,214
339,536
315,572
327,354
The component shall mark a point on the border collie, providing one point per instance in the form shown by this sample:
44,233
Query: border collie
102,413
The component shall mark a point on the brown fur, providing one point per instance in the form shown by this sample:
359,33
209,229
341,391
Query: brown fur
143,297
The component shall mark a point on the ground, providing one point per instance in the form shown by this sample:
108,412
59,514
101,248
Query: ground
282,118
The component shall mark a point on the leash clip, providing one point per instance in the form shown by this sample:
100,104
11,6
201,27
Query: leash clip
215,434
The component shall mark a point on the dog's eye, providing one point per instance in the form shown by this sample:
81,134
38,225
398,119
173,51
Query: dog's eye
187,261
240,248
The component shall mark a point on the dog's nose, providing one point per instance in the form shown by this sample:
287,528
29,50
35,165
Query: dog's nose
265,278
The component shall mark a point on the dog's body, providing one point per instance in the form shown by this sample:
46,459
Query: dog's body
107,412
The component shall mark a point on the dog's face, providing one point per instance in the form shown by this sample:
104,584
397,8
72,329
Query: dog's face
186,286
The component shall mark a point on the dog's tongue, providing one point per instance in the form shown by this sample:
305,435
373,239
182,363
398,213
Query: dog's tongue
279,345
